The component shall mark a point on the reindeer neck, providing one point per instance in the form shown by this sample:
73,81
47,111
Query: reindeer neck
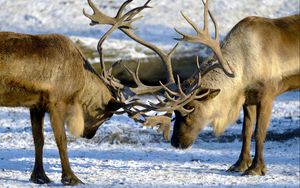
225,106
95,93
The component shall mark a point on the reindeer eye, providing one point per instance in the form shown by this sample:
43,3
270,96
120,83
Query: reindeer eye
188,107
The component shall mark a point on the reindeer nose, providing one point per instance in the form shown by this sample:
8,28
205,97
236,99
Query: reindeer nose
179,144
175,142
89,134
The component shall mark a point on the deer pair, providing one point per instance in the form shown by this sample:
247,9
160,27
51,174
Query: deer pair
258,60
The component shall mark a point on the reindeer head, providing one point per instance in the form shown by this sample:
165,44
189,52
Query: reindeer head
188,125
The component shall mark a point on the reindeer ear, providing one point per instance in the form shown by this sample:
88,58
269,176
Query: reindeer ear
212,93
114,105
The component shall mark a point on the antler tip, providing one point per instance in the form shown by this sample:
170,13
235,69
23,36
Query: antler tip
147,2
180,33
84,13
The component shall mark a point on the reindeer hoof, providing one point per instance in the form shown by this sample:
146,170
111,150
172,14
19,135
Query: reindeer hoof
71,180
255,171
39,178
240,166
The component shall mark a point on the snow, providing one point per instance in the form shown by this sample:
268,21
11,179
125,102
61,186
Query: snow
157,26
123,153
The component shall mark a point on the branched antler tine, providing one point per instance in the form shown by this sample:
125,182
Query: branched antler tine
168,96
98,16
187,111
132,13
168,63
194,86
216,26
187,38
168,90
191,22
134,76
93,6
202,95
170,54
180,33
123,6
179,87
141,88
137,71
198,63
146,4
204,37
212,18
216,45
205,26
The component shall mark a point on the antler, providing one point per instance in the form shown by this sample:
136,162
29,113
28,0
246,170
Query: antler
176,95
119,21
176,100
124,23
204,37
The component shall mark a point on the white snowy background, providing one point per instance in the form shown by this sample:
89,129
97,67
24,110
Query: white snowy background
123,153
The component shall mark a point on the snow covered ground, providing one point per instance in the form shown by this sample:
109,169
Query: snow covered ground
124,154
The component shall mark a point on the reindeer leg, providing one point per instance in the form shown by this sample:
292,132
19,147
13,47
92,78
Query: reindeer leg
37,123
244,161
264,110
57,113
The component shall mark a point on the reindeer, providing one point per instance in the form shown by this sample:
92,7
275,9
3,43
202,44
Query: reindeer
263,56
49,74
258,60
